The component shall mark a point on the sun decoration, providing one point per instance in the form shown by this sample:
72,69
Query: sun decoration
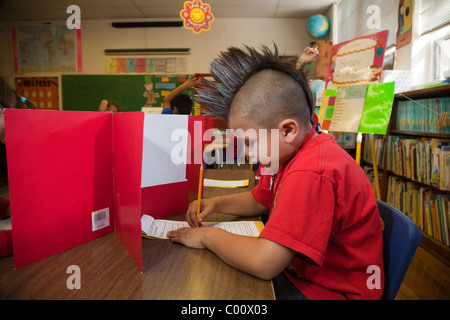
196,16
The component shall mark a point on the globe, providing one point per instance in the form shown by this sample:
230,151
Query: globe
317,26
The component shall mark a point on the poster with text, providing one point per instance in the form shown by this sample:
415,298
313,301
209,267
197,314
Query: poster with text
357,61
42,91
157,87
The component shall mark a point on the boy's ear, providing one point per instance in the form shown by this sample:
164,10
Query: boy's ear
289,130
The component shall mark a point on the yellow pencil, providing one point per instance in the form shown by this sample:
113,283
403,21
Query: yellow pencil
200,184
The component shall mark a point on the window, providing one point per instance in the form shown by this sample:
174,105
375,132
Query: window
433,14
354,18
441,57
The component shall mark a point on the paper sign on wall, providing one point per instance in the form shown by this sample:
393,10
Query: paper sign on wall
357,61
361,108
197,16
348,108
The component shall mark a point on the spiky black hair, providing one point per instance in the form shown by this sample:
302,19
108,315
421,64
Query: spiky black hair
234,67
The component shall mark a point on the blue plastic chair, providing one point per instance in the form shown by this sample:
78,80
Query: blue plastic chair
401,237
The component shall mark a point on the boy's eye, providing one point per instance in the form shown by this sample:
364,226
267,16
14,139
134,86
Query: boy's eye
249,143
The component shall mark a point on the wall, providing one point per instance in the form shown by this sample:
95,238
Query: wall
97,35
419,55
289,34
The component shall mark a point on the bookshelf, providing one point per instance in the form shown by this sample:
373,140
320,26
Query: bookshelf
414,175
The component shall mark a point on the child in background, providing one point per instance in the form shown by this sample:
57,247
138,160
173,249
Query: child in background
176,102
308,56
324,228
109,106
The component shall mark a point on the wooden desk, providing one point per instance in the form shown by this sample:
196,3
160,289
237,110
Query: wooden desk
171,271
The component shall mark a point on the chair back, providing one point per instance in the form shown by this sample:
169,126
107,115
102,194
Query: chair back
401,237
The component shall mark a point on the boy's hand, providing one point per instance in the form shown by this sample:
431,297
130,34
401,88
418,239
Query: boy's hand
207,206
190,237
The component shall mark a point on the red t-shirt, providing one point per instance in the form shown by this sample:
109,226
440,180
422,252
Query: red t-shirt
323,207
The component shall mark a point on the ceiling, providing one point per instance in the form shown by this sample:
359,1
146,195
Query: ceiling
48,10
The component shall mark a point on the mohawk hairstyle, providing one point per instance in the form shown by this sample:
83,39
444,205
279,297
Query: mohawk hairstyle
234,67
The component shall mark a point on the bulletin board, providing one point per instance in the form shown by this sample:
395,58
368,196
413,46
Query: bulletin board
131,92
158,87
42,91
84,92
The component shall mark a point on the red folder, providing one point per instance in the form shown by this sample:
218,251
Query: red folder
68,169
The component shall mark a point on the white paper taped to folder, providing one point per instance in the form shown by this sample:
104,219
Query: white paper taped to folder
158,166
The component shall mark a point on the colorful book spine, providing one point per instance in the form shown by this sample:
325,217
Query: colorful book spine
422,115
380,150
425,160
427,208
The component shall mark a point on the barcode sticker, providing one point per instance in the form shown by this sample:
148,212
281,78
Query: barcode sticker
100,219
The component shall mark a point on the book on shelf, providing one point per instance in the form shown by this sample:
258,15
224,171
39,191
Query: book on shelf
425,160
379,149
427,208
370,174
422,115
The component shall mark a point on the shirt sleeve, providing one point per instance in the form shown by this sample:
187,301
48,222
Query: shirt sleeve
303,214
167,111
262,192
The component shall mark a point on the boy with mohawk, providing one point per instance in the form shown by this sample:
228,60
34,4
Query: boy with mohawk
324,229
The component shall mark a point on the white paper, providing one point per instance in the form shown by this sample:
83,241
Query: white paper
225,183
152,110
159,228
348,109
147,223
158,166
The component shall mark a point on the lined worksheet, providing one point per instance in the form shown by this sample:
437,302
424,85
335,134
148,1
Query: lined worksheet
225,183
158,229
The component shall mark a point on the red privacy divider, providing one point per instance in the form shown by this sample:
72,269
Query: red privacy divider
76,176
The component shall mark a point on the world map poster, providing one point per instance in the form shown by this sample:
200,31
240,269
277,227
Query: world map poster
48,48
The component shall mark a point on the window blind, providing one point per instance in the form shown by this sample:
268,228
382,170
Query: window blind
433,15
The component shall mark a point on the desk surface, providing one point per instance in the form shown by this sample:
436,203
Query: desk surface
171,271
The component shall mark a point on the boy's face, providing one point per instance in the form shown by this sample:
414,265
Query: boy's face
262,145
270,147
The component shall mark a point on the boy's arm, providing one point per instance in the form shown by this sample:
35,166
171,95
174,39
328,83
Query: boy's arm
308,56
259,257
189,84
241,204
